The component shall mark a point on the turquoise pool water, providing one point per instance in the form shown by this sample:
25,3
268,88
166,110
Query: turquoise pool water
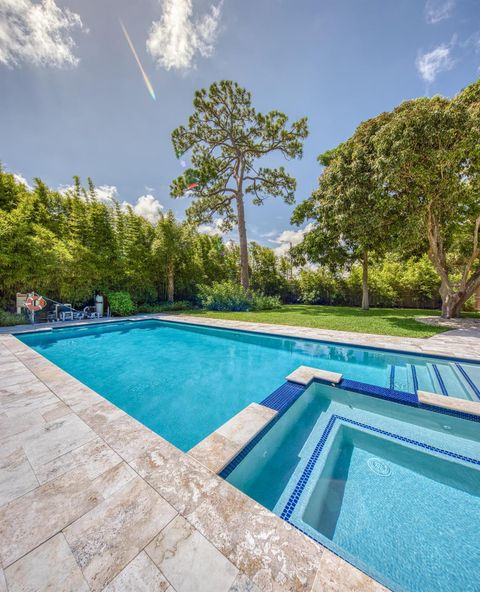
393,489
184,381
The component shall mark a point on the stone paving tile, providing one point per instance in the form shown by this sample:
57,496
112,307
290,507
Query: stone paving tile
334,574
273,554
246,424
77,396
21,428
94,458
127,436
243,583
3,583
41,513
99,415
55,438
50,567
215,451
38,515
35,398
181,480
16,476
471,407
107,538
56,411
16,378
189,561
140,575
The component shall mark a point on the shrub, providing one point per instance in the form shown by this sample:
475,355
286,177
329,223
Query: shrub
166,306
224,296
121,304
8,319
230,296
262,302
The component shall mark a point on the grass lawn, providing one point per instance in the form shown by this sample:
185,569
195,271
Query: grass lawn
383,321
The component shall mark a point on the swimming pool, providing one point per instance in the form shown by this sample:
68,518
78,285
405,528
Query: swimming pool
393,489
183,381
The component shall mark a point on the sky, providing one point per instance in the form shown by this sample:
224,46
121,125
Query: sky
74,100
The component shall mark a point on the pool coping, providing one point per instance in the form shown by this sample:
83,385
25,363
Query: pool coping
257,547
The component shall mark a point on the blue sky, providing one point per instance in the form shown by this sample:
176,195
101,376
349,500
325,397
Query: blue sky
72,99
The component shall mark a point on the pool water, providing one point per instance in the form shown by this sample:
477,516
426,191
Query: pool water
184,381
393,489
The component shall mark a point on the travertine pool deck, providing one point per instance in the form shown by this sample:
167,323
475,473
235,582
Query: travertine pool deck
90,499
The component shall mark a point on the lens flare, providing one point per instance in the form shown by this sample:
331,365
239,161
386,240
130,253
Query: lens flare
137,59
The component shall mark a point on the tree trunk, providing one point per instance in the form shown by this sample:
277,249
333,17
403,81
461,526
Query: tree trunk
452,302
170,283
365,299
242,235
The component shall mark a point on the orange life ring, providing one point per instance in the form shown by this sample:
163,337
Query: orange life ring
35,303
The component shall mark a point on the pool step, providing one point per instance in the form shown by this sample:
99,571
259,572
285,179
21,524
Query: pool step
449,381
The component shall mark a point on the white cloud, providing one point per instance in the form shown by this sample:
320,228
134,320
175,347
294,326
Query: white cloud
148,207
430,64
175,40
106,194
214,229
37,33
289,238
438,10
21,179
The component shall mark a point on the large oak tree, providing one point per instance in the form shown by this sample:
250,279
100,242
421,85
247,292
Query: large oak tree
227,137
428,159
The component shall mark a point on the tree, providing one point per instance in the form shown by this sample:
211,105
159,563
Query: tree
266,277
227,136
428,159
352,215
169,249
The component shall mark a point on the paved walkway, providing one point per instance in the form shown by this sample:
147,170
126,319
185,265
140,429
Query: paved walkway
90,499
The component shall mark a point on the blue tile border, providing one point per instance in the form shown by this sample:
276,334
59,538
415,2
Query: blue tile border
283,397
470,382
306,474
379,392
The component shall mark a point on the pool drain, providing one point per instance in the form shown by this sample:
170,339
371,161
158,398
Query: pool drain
379,467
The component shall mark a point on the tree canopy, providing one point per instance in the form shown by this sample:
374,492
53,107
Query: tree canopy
405,181
227,136
352,216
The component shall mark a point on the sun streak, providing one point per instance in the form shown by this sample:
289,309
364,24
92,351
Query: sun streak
137,59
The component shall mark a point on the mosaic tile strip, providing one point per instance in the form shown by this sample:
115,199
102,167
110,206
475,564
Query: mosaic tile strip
414,378
300,486
470,382
392,377
443,388
283,397
379,391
